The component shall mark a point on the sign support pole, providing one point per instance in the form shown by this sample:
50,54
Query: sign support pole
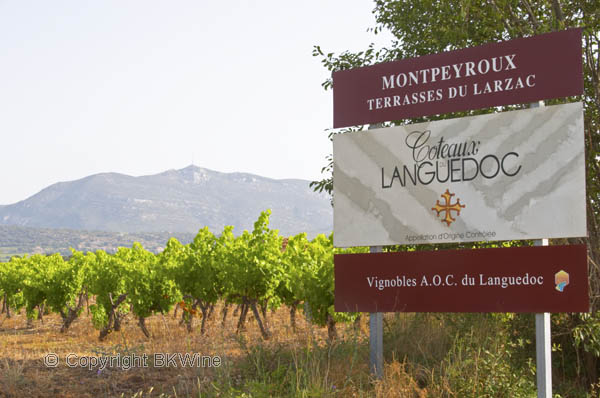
376,321
543,348
376,335
543,335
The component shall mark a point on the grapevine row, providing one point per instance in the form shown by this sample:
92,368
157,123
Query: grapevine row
255,270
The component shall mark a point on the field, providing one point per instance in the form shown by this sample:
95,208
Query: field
130,323
426,355
260,368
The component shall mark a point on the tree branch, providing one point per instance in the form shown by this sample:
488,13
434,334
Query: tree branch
534,21
558,14
507,25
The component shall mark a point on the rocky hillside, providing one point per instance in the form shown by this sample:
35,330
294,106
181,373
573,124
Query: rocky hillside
173,201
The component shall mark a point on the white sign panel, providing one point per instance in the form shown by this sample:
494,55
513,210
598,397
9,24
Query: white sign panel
504,176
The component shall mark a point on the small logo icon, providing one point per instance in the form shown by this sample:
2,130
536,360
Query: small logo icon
561,278
448,207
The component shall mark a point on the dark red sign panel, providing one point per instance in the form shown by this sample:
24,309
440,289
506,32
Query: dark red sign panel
511,72
520,279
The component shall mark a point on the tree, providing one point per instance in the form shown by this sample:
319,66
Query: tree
425,26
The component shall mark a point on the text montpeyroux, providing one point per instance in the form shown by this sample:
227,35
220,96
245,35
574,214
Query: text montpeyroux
410,80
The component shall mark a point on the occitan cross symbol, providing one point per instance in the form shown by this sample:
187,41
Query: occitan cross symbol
448,207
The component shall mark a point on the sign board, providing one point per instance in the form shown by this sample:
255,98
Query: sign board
504,176
516,279
511,72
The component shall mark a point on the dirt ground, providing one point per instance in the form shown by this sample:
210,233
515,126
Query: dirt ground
39,361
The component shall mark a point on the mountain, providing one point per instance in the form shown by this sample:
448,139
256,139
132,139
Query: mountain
174,201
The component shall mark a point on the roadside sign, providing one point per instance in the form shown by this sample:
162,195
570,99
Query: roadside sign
504,176
510,72
516,279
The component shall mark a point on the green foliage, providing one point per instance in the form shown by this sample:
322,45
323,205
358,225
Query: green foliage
486,369
99,316
172,257
12,274
311,370
254,267
587,333
41,280
67,281
223,259
295,257
149,287
464,355
317,282
107,282
199,275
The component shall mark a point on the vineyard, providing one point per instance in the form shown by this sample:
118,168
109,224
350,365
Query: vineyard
239,297
254,272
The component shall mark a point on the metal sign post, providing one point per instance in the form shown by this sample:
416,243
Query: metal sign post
376,321
376,335
543,344
543,348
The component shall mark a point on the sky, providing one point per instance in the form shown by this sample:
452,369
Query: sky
141,87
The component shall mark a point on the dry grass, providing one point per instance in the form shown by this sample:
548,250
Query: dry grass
425,357
286,364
